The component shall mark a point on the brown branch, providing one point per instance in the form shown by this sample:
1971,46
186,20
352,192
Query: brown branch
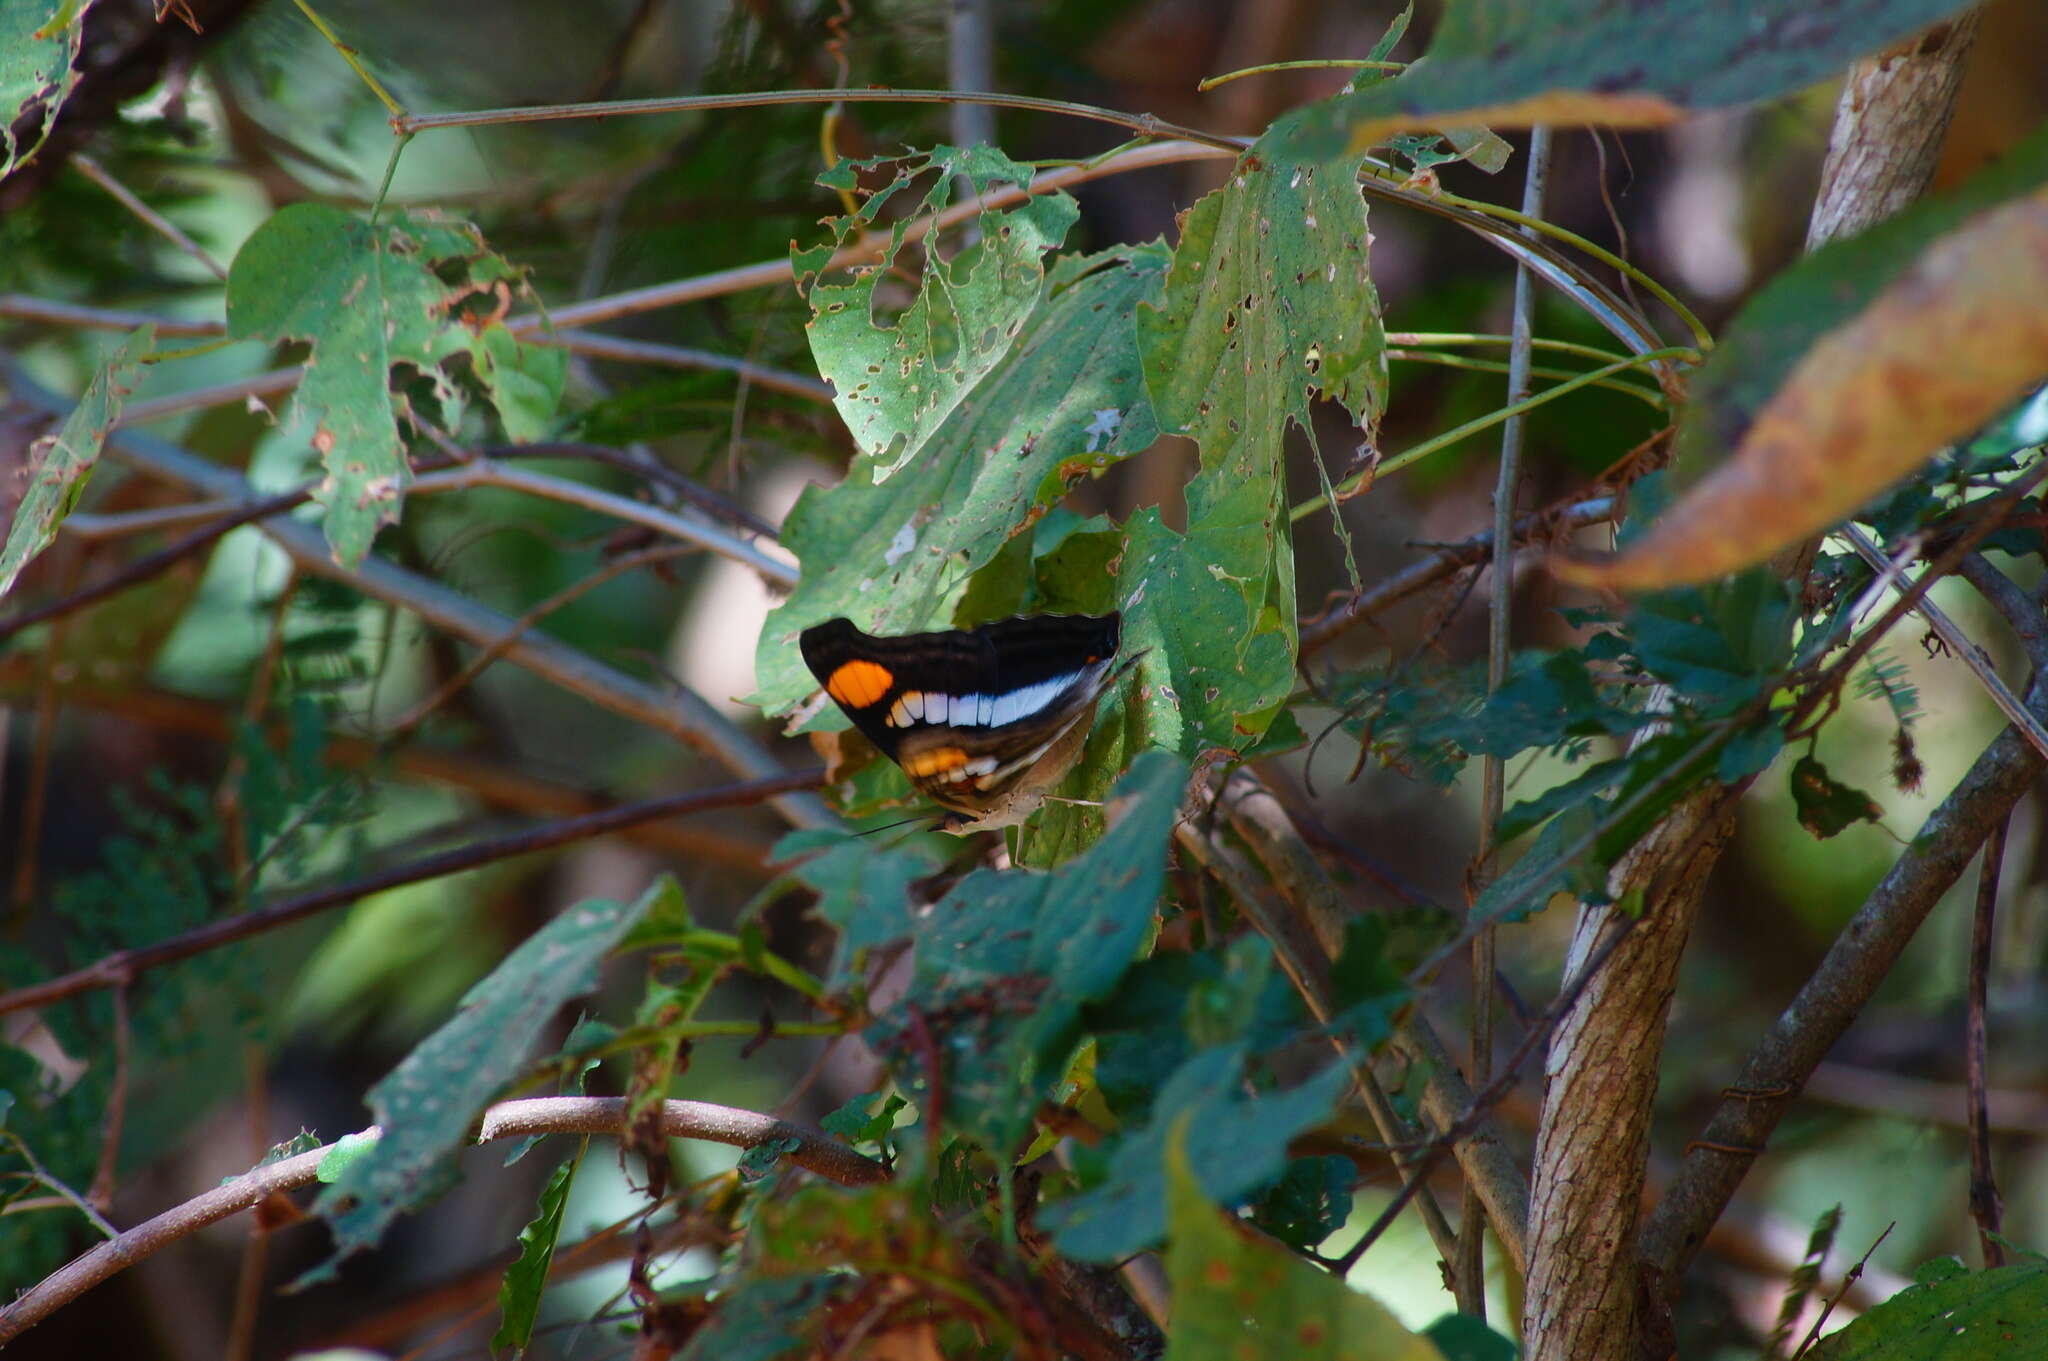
675,711
153,564
478,664
495,785
1489,1169
119,966
1986,1206
1858,961
2022,614
1347,611
1593,1140
815,1151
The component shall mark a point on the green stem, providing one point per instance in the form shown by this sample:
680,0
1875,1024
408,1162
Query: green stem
390,171
1692,323
348,54
1491,419
1571,347
1320,64
1142,123
1461,361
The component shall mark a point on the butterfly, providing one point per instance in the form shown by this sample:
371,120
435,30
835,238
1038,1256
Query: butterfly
982,720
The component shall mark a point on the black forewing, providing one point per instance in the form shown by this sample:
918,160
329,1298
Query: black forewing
993,659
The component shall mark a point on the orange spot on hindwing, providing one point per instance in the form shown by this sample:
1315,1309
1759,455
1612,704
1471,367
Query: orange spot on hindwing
937,761
859,683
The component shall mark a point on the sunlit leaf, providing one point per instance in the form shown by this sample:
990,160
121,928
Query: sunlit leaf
60,464
371,299
1627,63
1956,1316
39,41
1063,402
1237,1297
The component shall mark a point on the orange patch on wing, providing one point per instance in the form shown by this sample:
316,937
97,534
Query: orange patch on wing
859,683
937,761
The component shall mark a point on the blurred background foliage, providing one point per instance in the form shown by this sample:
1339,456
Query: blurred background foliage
155,800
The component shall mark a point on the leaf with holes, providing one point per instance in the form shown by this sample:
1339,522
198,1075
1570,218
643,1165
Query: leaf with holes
60,464
414,292
1269,302
1064,402
39,41
897,385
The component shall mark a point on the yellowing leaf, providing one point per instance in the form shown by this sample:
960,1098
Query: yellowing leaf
1952,340
1624,63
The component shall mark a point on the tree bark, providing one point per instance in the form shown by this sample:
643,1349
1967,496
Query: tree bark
1593,1293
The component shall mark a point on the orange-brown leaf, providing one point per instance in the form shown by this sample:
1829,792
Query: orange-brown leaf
1954,339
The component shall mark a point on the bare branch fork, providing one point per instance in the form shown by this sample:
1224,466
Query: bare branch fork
814,1150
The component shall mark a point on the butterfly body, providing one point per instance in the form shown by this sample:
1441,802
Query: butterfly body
982,720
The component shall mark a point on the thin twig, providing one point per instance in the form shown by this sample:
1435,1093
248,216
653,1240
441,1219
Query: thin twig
1346,612
1484,1100
121,965
2020,612
1468,1281
814,1151
1860,958
101,1192
650,470
150,217
154,564
678,357
477,664
1987,1208
1828,1306
1945,628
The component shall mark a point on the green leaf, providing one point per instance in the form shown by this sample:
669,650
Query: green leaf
1461,1337
761,1319
428,1104
892,547
1632,63
1827,807
369,299
1270,301
39,41
896,386
527,1278
1310,1202
1958,1316
1236,1144
853,1122
60,464
863,889
1007,1000
1237,1297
